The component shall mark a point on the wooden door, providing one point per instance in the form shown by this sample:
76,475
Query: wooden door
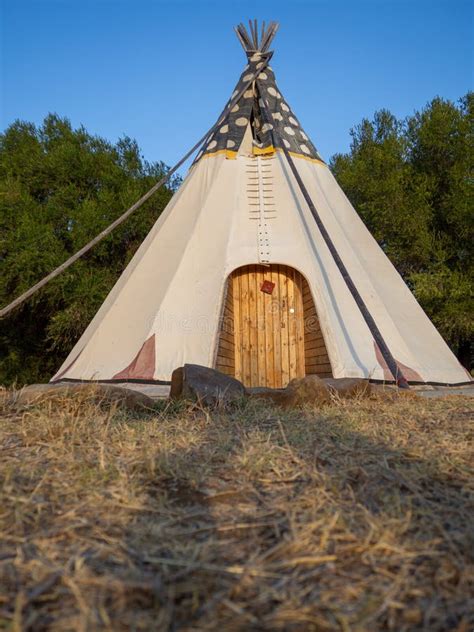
268,320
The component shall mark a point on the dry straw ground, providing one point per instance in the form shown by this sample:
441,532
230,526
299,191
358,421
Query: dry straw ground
355,517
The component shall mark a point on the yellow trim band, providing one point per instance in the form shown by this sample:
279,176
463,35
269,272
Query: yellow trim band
271,150
232,155
257,151
295,155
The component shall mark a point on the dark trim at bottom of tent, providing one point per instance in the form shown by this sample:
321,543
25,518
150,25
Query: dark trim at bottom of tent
119,381
168,382
418,383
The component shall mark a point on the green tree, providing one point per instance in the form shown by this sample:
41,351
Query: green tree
59,187
411,181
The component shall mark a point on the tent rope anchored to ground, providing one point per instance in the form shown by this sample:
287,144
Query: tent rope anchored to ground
259,266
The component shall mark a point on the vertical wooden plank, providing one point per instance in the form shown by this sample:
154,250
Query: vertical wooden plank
253,326
292,335
284,335
244,297
225,355
237,325
316,356
261,327
299,311
276,318
269,348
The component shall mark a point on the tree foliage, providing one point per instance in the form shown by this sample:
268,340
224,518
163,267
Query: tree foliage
411,181
59,187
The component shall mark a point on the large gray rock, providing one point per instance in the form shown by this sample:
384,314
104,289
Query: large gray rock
95,392
207,386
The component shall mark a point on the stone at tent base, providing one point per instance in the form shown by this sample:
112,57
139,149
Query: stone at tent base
305,390
392,392
93,392
314,390
348,387
211,388
207,386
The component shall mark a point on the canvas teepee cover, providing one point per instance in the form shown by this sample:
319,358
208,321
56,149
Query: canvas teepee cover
238,233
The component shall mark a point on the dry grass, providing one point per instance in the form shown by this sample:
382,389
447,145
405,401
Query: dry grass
352,517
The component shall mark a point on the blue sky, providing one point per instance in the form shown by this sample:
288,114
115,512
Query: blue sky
160,71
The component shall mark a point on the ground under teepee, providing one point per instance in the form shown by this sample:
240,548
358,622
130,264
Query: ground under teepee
261,268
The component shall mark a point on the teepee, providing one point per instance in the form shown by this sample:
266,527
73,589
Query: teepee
261,268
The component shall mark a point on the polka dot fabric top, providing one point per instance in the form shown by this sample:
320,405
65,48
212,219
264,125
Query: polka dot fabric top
283,127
